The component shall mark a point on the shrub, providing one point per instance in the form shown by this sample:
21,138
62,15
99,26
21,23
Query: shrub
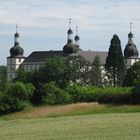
16,97
110,95
117,95
84,93
54,95
20,90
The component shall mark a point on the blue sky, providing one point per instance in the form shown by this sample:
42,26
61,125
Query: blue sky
43,24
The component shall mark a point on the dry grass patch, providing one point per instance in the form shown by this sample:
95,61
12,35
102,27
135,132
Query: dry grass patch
72,109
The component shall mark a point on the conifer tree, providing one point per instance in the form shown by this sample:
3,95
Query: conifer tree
114,62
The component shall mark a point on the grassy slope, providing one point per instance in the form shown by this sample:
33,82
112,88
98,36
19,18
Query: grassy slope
114,126
73,109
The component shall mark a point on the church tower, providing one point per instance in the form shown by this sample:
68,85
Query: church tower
130,52
16,57
77,38
69,47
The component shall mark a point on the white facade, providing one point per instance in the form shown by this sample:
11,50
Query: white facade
13,64
130,61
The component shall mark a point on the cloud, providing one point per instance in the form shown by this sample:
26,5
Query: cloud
46,20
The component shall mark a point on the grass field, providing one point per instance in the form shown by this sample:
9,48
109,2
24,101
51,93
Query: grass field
120,126
73,122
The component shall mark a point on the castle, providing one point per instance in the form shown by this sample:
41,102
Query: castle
38,58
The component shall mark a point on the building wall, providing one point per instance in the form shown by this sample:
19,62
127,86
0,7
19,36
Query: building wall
12,66
129,62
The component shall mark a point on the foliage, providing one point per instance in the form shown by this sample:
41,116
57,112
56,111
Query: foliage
54,95
57,70
132,75
96,73
16,97
80,70
94,94
114,62
3,77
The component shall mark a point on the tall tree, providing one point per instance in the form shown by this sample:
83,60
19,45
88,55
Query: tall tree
96,73
114,62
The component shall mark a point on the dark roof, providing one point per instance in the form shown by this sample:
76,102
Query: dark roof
41,56
90,55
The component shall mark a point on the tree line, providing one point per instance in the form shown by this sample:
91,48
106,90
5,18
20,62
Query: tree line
72,79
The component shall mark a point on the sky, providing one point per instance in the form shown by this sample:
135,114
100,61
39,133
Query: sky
43,24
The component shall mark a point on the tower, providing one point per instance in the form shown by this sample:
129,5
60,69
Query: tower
77,38
130,52
16,57
69,47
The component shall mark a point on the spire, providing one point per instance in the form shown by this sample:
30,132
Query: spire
77,38
16,28
131,26
16,36
69,23
70,32
130,35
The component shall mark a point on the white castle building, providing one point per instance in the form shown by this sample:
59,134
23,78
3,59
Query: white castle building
38,58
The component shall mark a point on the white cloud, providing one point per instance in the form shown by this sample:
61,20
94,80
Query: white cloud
97,20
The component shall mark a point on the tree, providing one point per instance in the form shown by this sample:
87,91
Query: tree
114,62
96,73
3,77
132,75
15,97
80,70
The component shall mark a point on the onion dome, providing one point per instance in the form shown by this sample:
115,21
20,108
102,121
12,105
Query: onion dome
77,38
130,49
69,48
16,50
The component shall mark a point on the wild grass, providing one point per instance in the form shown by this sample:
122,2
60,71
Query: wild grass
114,126
72,109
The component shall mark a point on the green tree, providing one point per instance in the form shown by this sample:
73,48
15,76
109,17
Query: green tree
96,73
80,70
16,97
3,77
114,62
132,75
56,69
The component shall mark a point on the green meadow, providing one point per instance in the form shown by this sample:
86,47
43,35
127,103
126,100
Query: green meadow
63,123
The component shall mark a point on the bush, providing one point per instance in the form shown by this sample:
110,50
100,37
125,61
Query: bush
9,104
110,95
16,97
117,96
20,90
84,93
54,95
